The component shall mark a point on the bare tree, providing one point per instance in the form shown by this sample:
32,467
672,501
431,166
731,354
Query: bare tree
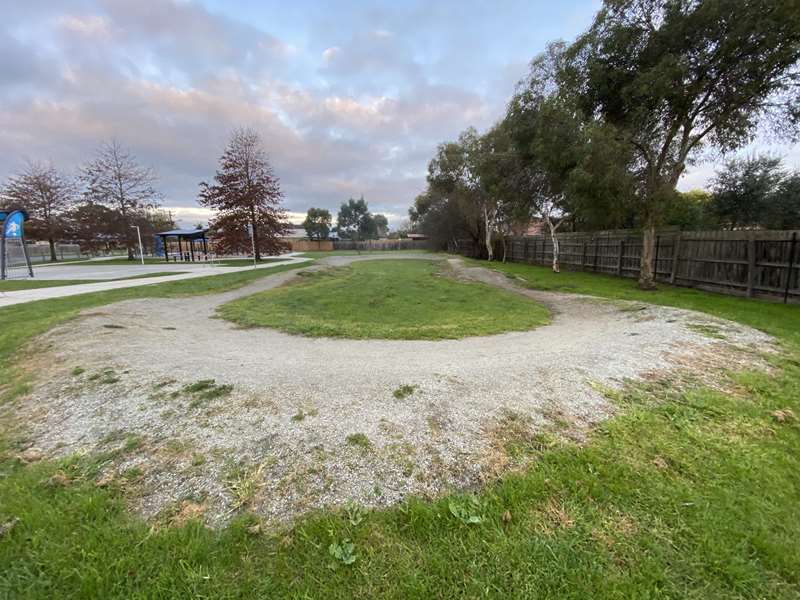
246,193
45,193
116,179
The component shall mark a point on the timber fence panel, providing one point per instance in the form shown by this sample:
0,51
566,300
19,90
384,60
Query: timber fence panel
762,264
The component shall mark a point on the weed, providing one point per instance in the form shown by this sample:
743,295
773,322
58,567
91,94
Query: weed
204,391
198,459
467,511
355,513
359,440
243,482
301,415
706,329
77,371
106,376
343,551
113,326
404,391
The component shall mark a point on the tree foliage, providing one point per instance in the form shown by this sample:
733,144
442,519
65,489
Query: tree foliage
756,192
46,195
603,128
355,221
318,223
670,76
114,178
245,193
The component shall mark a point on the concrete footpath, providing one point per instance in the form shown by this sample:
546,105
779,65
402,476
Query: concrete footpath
204,270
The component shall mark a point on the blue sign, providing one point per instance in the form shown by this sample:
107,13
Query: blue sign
12,228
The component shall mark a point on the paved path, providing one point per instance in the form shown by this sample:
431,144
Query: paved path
91,272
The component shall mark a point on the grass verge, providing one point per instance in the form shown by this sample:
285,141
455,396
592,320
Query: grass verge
385,299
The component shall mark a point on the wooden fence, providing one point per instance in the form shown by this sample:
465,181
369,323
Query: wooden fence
749,263
366,245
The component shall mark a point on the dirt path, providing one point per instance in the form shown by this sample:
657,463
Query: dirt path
285,432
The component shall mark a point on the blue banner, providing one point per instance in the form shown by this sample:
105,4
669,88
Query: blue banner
12,228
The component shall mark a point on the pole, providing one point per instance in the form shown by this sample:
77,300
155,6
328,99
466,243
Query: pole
141,248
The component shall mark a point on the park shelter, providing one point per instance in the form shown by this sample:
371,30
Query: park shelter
187,245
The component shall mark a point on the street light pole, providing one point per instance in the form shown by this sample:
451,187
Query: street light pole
141,248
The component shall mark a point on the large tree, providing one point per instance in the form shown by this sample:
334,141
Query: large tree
742,190
114,178
46,194
381,225
672,76
317,223
355,222
246,194
756,192
456,170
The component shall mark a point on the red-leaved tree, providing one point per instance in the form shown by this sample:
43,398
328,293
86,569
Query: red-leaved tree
245,193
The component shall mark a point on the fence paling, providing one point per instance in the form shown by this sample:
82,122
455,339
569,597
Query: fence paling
752,263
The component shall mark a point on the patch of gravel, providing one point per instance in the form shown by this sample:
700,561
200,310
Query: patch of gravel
278,442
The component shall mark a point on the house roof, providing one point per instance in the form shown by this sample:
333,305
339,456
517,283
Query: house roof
185,233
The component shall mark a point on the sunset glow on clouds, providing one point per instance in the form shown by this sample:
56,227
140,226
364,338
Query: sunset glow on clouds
349,100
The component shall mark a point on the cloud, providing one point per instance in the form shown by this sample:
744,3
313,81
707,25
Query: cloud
348,102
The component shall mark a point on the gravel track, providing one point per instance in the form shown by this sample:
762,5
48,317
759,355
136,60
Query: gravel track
278,443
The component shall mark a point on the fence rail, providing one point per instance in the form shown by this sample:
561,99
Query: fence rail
762,264
40,253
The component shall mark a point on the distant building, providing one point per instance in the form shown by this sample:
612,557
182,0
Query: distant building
533,227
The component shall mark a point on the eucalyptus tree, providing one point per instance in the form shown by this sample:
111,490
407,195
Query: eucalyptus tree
673,76
456,170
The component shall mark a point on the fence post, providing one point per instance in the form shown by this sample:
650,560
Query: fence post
676,250
655,258
583,255
619,258
792,249
751,265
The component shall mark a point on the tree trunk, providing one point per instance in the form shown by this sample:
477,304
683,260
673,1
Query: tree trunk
256,249
647,279
489,249
504,248
52,243
554,238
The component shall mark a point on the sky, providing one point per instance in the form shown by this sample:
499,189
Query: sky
349,97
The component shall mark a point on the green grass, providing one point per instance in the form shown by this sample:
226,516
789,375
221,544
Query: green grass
684,495
323,254
12,285
225,262
404,299
778,319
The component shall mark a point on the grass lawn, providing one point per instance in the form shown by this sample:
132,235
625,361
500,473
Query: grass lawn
322,254
772,317
12,285
403,299
685,494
